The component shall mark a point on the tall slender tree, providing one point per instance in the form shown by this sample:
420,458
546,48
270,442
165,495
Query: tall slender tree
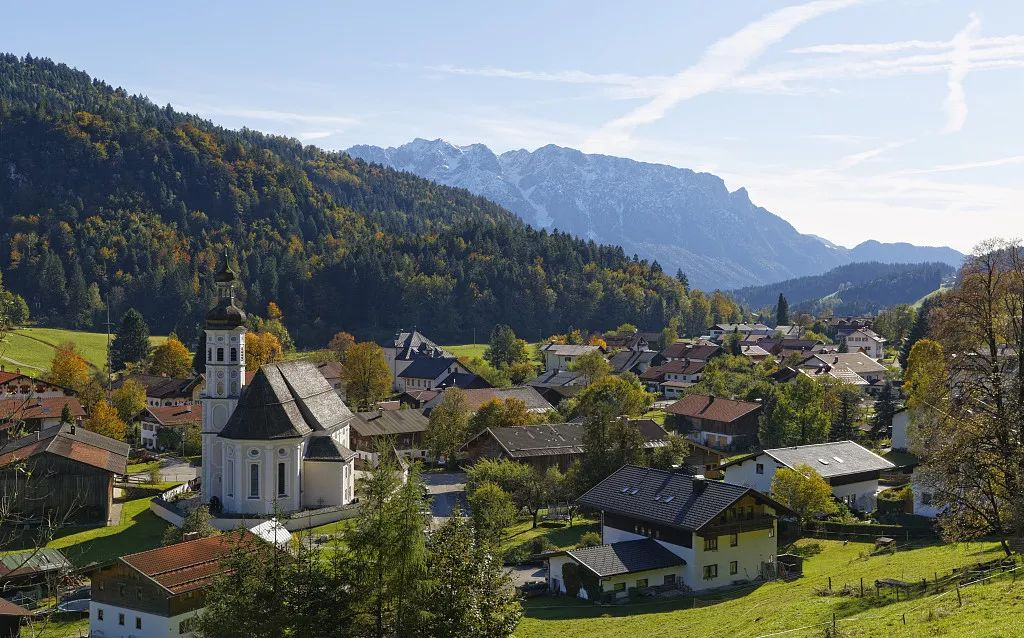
131,346
782,311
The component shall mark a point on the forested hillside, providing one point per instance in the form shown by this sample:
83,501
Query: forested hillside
107,195
853,288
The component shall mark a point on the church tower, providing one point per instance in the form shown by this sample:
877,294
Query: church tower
225,375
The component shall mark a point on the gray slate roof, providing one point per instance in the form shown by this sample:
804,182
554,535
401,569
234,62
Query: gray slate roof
831,459
568,349
286,400
562,438
324,448
666,498
427,367
627,557
557,378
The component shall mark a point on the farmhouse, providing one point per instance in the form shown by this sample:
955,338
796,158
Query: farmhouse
31,414
724,424
664,530
477,397
159,592
15,385
544,446
407,347
166,391
850,469
867,341
67,469
404,428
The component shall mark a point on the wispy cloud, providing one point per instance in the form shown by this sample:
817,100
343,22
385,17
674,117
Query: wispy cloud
717,67
619,85
956,100
965,166
306,127
854,159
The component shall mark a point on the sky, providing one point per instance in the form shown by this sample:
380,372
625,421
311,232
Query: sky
896,120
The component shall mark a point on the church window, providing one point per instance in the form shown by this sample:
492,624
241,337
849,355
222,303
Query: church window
282,480
234,354
231,478
254,480
209,354
220,354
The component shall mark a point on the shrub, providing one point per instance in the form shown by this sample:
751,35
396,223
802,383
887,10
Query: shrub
590,539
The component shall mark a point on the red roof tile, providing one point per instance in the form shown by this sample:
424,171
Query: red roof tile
36,408
701,406
171,415
190,565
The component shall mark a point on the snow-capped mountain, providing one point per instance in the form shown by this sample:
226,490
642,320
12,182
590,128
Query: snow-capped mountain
683,219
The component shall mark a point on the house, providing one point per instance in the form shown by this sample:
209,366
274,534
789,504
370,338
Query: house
159,593
558,356
416,399
784,375
662,530
176,417
704,459
850,469
789,331
552,445
632,341
670,379
331,372
720,330
867,341
900,423
279,443
754,354
635,361
427,373
723,424
407,347
36,573
20,416
15,385
784,347
166,391
11,617
62,469
477,397
840,373
681,350
557,385
405,429
856,362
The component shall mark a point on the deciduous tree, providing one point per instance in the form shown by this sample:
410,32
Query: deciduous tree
171,359
366,375
449,425
104,420
803,490
68,368
592,365
129,399
340,344
261,348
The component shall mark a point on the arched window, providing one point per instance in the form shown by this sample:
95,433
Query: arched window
231,478
254,480
220,354
282,480
234,354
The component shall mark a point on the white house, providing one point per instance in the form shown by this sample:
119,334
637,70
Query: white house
427,373
900,423
158,593
278,444
719,330
407,347
670,531
558,356
867,341
850,469
857,362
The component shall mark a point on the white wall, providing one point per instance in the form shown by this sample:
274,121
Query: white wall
323,483
754,548
899,430
153,626
745,473
863,492
920,488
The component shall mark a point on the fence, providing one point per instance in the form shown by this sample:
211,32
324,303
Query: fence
168,511
830,530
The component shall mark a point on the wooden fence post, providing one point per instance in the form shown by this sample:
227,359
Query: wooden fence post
830,583
862,587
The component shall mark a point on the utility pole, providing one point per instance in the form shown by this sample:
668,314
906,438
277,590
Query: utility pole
109,364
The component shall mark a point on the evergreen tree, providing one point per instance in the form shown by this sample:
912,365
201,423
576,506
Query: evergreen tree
920,328
885,409
131,345
683,279
782,311
449,425
505,348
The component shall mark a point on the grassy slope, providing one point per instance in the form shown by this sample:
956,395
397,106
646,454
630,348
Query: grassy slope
140,529
560,534
472,350
32,348
775,607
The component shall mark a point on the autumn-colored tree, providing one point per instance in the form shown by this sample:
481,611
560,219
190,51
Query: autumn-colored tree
366,375
499,414
171,359
273,311
261,348
926,381
68,368
592,365
129,399
340,344
449,425
105,420
803,490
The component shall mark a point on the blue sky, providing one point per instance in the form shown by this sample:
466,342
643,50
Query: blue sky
897,120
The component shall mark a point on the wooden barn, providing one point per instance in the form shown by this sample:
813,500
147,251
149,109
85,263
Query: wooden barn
64,470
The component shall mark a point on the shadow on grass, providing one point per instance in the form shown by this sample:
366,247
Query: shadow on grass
805,550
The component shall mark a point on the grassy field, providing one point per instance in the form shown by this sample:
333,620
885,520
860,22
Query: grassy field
989,610
139,530
476,350
560,534
32,349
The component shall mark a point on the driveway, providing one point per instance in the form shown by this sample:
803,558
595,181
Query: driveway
524,574
446,490
175,470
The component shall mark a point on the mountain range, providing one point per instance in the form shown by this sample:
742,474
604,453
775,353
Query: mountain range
685,220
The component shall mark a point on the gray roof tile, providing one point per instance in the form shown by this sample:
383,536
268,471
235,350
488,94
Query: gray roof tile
625,558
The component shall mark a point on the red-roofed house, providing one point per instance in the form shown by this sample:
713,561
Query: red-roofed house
160,592
724,424
31,414
152,419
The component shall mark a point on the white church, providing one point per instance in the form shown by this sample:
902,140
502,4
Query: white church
280,443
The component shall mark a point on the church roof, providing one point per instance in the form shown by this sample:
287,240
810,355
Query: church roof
225,315
324,448
286,400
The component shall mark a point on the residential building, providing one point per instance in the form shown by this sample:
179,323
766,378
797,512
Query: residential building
407,347
23,415
557,385
428,373
662,530
839,373
159,593
331,372
754,353
857,362
552,445
670,379
900,423
635,361
681,350
723,424
720,330
558,356
279,443
174,417
404,428
15,385
850,469
789,331
166,391
867,341
63,469
476,397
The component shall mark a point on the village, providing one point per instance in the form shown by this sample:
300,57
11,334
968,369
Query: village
623,468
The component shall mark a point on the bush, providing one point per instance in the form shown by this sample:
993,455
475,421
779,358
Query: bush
542,544
590,539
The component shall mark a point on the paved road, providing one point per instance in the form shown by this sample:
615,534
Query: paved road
173,470
527,574
446,490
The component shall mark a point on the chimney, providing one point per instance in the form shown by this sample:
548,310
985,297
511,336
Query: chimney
836,360
73,428
189,536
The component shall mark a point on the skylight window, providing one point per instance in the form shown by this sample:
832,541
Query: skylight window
823,461
668,499
838,460
634,490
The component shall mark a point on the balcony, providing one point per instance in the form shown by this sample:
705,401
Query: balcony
736,526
